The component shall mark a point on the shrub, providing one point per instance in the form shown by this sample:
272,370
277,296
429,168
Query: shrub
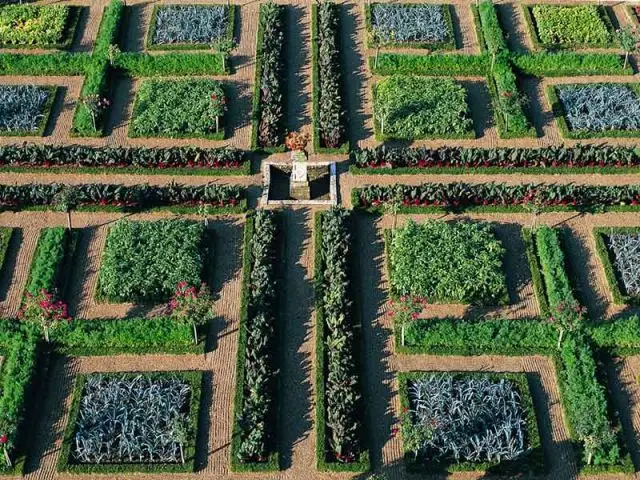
24,109
388,160
409,107
181,25
572,26
147,160
42,26
448,262
339,406
146,260
413,25
328,101
509,102
179,109
268,99
254,445
466,419
600,107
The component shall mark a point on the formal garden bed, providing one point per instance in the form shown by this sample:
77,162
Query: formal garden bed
25,109
440,262
410,108
596,110
38,26
144,261
193,108
409,25
569,26
130,422
469,421
185,27
619,252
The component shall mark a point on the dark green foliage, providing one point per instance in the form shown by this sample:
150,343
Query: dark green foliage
117,196
70,158
552,263
146,260
328,104
491,29
565,64
62,63
509,103
268,98
254,446
448,262
621,337
5,238
459,65
47,260
536,272
339,404
171,64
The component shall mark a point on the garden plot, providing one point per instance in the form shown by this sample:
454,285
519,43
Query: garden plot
410,108
190,26
619,252
25,109
191,108
569,26
144,261
37,26
132,422
469,421
596,110
440,262
410,25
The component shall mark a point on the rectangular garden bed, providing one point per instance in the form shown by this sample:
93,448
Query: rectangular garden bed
184,27
408,107
192,108
25,109
596,110
619,252
144,261
38,26
409,25
162,406
469,432
569,26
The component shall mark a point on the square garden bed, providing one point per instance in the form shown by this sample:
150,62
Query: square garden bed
458,262
596,109
569,26
457,421
408,107
192,108
619,252
144,261
190,26
38,26
25,109
410,25
132,422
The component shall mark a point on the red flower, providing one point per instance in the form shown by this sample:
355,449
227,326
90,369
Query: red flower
4,439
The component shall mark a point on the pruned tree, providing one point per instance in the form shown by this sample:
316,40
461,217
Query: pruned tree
629,40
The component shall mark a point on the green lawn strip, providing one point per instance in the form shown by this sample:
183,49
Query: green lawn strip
530,462
606,257
437,64
271,462
361,463
61,63
569,64
66,463
171,64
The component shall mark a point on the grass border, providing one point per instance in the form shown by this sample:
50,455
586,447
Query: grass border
65,464
533,460
151,30
447,13
47,110
562,123
616,289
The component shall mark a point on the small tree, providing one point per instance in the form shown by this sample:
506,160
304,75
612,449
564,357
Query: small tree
534,202
181,435
6,445
382,110
568,317
393,205
190,305
113,53
217,107
94,105
511,104
224,47
628,39
66,200
44,310
404,311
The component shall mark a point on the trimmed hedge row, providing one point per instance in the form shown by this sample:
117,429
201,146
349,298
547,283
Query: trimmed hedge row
570,64
339,405
61,63
79,158
116,196
171,64
492,196
254,446
552,263
620,337
445,65
580,158
536,272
